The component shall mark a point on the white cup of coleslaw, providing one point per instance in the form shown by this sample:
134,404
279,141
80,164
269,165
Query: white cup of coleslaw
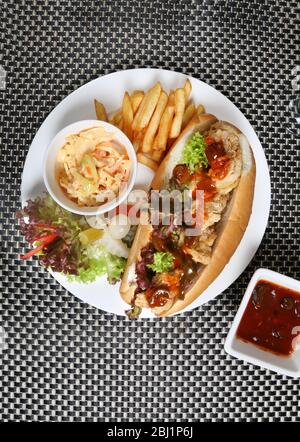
50,163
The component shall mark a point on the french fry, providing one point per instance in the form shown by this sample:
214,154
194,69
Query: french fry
136,144
179,111
136,99
187,90
138,114
150,155
127,115
137,140
200,109
164,128
147,106
188,114
156,155
171,99
170,143
116,118
142,158
154,145
154,122
100,111
120,125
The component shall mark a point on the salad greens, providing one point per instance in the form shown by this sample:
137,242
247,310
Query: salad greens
100,262
109,265
55,234
162,262
194,152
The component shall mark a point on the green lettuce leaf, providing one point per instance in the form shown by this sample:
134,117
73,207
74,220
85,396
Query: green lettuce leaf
194,152
163,262
99,262
50,210
69,256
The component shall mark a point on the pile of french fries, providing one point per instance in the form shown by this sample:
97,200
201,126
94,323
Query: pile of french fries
153,120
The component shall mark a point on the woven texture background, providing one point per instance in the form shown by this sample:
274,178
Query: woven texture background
68,361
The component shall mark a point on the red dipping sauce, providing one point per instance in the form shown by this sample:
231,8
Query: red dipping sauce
272,318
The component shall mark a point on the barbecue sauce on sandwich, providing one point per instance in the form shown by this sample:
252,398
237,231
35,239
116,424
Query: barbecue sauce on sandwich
185,268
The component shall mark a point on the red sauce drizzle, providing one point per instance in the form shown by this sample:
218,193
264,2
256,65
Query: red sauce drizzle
205,183
157,296
271,318
181,174
217,159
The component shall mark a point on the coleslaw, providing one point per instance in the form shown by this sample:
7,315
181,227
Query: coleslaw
92,167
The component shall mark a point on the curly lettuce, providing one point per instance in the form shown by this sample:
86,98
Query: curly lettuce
67,254
194,152
99,263
162,262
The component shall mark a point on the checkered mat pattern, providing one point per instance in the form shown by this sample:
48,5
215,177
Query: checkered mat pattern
64,360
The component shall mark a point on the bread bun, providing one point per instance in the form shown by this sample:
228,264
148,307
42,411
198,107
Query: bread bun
238,185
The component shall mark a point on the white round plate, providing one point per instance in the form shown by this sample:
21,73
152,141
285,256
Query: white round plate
109,89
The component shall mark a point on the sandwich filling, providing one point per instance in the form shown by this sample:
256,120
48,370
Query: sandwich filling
171,261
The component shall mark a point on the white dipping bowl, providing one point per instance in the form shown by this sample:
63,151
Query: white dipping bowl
49,168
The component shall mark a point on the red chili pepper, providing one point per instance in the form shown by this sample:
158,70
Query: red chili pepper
46,240
33,251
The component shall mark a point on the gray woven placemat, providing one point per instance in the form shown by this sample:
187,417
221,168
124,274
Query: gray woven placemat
66,360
